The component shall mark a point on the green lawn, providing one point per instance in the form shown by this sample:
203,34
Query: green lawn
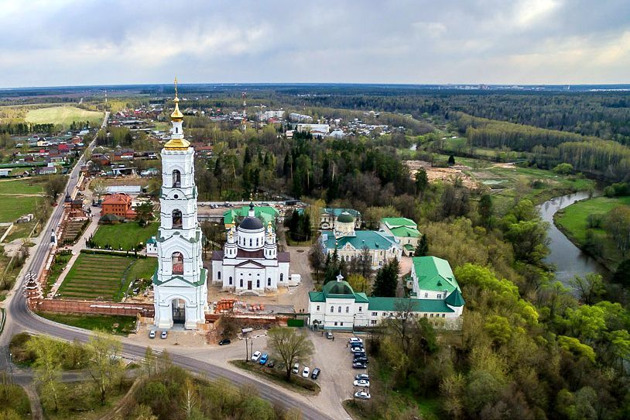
14,205
120,325
104,277
125,235
573,222
62,115
22,186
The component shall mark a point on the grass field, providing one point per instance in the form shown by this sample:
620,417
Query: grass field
18,198
13,400
104,277
62,115
125,235
573,222
119,325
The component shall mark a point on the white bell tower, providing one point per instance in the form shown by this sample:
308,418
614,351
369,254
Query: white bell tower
180,283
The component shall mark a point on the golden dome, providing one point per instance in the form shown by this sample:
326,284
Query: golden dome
177,115
177,144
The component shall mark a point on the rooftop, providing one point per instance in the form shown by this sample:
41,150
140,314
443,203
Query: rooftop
434,274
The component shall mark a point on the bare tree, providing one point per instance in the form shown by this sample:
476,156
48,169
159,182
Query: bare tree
289,345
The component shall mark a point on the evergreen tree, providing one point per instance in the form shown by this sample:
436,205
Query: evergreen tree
386,281
423,247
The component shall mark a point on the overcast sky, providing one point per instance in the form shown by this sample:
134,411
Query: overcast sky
57,42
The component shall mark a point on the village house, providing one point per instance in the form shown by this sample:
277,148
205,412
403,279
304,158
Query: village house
404,230
119,205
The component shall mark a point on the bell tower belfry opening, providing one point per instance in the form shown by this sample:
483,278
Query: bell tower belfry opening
180,282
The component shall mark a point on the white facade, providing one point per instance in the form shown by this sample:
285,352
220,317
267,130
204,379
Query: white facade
250,261
180,283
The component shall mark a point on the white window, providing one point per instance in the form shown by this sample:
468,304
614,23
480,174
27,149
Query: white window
374,313
332,309
431,315
318,307
360,308
269,284
373,322
342,324
439,296
339,309
230,280
335,323
219,275
347,309
443,315
241,282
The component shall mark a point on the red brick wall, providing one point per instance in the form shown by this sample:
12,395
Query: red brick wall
70,306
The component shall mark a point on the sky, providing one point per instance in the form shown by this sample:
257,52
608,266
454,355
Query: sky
71,43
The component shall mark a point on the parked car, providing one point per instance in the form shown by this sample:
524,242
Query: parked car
306,372
362,395
164,335
359,365
362,376
359,354
360,360
296,368
362,383
256,356
315,373
263,359
329,335
357,349
271,363
152,334
224,342
353,340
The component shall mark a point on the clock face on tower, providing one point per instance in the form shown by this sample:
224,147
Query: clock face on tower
180,286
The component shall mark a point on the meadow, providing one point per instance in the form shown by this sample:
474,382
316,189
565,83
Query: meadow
124,235
62,115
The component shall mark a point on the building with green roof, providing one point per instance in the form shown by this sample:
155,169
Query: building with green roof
329,217
404,230
338,307
266,214
379,246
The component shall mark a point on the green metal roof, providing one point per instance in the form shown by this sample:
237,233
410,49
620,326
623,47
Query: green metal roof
264,213
455,299
391,304
202,278
361,298
316,297
405,232
394,222
336,212
345,217
409,247
338,289
434,274
362,238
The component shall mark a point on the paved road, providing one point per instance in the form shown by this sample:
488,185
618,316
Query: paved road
20,318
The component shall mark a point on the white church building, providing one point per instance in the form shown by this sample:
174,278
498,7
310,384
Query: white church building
180,282
250,261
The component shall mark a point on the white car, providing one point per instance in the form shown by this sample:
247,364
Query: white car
362,395
353,340
296,368
256,356
362,383
306,372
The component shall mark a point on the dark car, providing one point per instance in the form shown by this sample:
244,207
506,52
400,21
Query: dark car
359,354
271,363
315,373
359,365
360,360
224,342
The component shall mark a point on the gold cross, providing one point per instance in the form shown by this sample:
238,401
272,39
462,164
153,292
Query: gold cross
176,86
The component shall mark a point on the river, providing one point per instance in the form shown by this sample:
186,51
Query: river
568,259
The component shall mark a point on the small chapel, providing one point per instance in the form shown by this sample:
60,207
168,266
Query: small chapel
250,261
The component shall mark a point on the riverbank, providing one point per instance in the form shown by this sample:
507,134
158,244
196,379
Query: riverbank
569,260
590,237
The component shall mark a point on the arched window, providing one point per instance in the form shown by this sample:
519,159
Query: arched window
177,219
241,283
230,280
281,277
177,179
339,309
250,241
219,275
177,259
257,284
347,309
269,281
332,309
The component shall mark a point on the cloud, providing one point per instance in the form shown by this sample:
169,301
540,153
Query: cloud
407,41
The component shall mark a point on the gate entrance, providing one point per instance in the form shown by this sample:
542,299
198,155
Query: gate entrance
179,311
